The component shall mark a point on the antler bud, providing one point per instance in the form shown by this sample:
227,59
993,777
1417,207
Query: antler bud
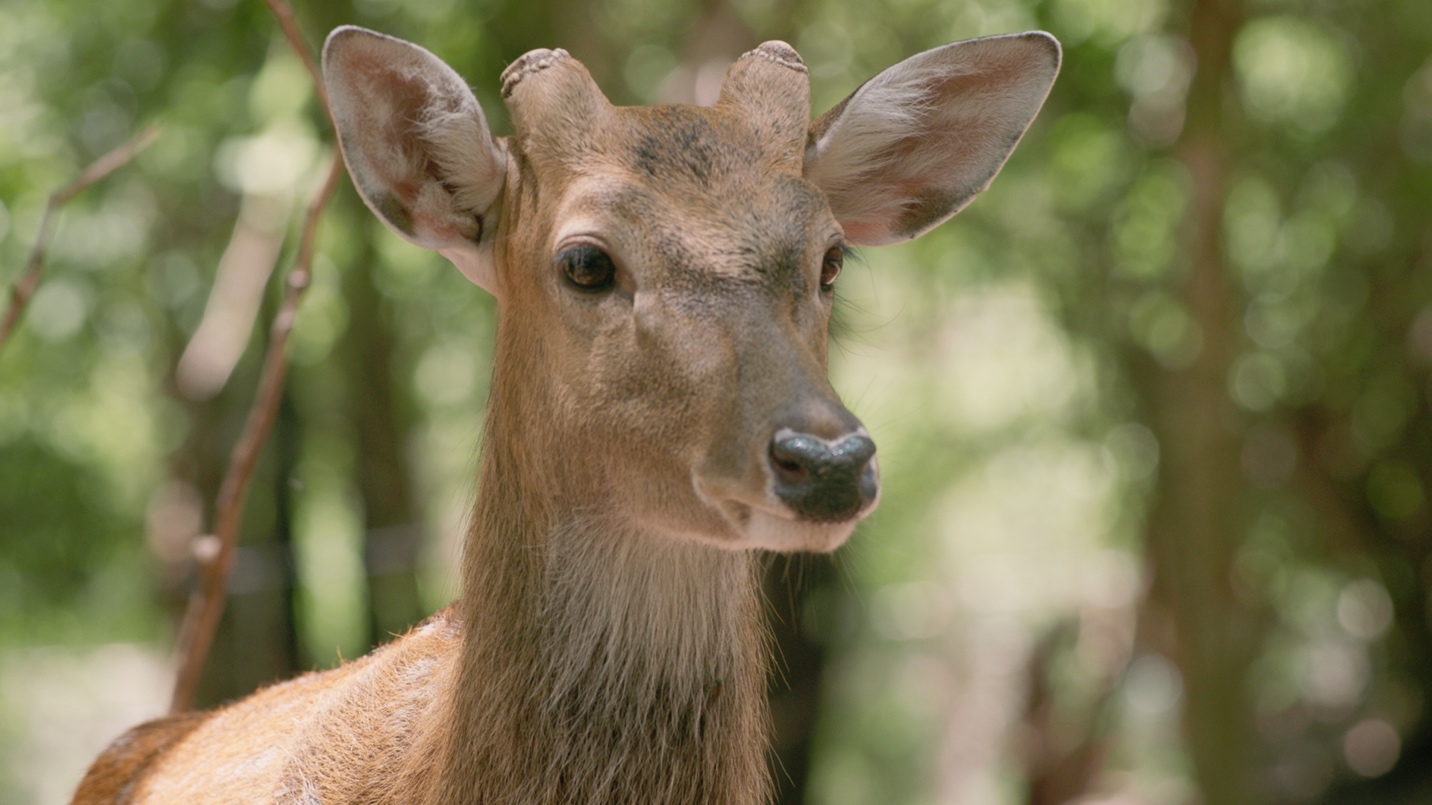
553,100
772,87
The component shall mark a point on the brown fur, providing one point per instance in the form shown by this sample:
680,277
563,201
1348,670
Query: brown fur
114,775
607,646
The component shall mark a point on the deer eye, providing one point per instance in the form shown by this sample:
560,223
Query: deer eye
587,268
830,267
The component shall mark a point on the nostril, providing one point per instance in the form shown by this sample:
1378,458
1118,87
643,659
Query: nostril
788,468
820,479
791,458
856,451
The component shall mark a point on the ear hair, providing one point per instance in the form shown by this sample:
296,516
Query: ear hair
416,144
915,144
472,173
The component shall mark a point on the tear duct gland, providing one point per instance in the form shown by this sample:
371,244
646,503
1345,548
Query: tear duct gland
659,411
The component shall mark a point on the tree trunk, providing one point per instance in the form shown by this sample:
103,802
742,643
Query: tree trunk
1197,523
393,535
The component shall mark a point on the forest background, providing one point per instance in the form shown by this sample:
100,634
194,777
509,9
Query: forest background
1155,413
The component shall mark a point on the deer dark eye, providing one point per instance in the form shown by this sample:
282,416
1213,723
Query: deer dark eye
830,267
587,268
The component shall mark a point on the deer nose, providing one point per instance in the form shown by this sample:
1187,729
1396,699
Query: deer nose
824,481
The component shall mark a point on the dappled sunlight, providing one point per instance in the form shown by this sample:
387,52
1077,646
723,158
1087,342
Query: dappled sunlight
1293,70
995,361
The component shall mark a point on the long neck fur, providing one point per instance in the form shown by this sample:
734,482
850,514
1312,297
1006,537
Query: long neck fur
600,663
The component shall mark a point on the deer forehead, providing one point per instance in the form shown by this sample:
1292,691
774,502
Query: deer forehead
687,151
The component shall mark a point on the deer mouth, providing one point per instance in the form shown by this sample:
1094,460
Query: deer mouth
797,508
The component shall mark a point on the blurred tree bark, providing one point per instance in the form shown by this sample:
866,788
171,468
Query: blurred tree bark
1197,522
256,643
382,420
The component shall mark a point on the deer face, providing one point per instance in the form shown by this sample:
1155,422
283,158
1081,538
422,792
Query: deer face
665,274
680,277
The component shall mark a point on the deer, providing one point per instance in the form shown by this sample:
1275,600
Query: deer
660,416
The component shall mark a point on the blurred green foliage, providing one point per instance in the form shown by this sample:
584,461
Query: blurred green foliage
1155,413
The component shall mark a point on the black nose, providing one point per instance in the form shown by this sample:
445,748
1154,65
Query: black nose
821,480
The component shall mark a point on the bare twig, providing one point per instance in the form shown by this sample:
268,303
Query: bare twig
284,12
216,553
25,287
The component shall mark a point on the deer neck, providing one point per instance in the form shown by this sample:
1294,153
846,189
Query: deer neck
601,662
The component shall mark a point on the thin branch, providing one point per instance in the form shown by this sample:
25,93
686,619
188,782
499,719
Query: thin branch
25,287
284,12
216,553
206,604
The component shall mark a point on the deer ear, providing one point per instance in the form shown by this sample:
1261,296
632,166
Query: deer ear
916,143
417,145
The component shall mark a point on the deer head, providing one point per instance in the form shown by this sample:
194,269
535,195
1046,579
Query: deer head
664,274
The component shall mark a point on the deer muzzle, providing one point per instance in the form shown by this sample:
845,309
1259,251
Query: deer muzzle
822,480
